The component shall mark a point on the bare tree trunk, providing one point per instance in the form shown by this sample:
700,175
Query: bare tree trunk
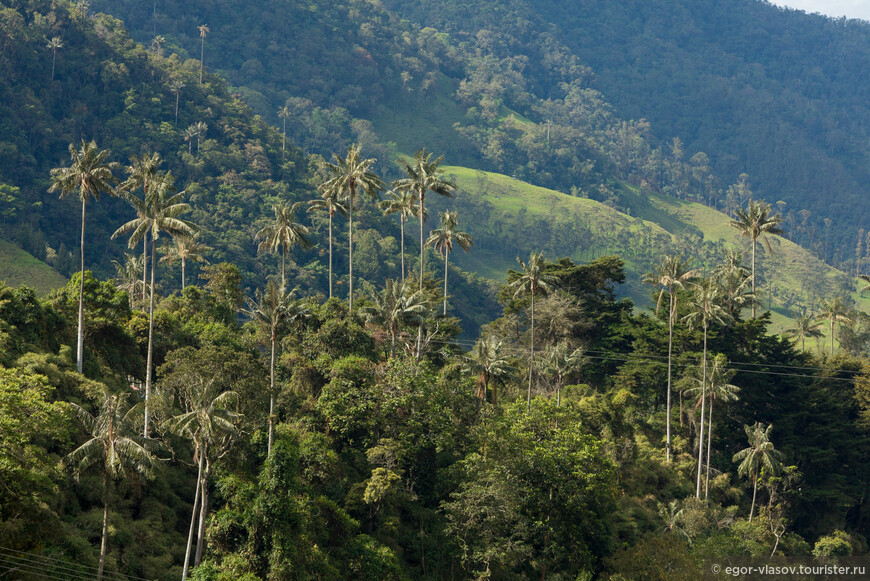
754,298
531,355
283,268
402,244
203,510
350,250
201,59
284,138
709,441
150,364
182,273
144,266
80,340
271,394
177,97
670,357
703,401
104,542
192,518
446,255
754,492
422,198
330,255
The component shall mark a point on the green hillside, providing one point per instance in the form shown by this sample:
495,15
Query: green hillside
17,268
494,205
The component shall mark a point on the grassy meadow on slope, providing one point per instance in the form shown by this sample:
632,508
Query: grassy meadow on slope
17,268
523,218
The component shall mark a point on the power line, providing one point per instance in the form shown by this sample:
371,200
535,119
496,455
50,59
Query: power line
62,565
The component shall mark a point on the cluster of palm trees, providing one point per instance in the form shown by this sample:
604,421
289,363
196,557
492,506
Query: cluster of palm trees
351,178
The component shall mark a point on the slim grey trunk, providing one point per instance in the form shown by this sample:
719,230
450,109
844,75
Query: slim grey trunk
144,266
150,364
531,355
283,267
177,96
200,541
350,250
832,334
104,542
709,441
446,256
201,59
284,138
670,356
753,278
703,400
330,255
53,59
422,197
402,244
80,341
182,273
271,393
192,519
754,491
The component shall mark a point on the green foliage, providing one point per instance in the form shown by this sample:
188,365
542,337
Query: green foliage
838,544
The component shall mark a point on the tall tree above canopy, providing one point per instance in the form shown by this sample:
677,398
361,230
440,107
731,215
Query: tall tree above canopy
330,202
159,212
760,455
349,176
401,203
671,274
203,32
755,222
531,280
424,175
111,449
88,176
444,238
834,311
284,232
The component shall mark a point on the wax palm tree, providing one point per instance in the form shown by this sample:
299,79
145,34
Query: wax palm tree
805,325
671,274
283,233
718,389
271,310
203,31
395,306
189,135
159,212
209,419
491,364
347,177
705,309
532,280
559,363
141,173
127,276
760,455
185,248
331,204
444,238
175,86
88,176
110,449
284,113
401,203
157,44
834,311
54,45
424,176
201,127
755,222
735,282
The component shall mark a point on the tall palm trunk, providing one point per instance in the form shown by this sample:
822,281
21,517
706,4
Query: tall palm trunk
446,255
754,492
330,255
201,59
106,484
531,354
422,212
709,442
402,244
192,519
182,273
284,138
670,357
753,278
703,400
203,510
177,97
150,364
144,266
53,59
350,249
80,340
272,391
283,267
832,335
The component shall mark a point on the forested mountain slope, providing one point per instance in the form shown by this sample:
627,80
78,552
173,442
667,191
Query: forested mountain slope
771,92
